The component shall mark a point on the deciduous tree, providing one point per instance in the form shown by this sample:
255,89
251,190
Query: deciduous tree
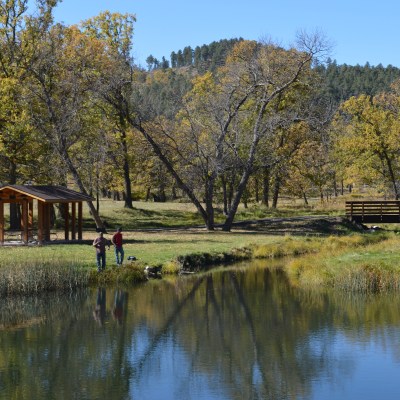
368,137
114,83
60,81
223,111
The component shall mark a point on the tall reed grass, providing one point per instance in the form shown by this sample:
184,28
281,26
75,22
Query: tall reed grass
22,279
32,279
363,263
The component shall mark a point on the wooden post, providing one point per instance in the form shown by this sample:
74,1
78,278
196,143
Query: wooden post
1,222
80,220
46,221
66,220
24,221
40,222
73,221
30,218
362,212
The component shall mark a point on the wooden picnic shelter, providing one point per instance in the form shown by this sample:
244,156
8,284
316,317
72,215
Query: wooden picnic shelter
45,196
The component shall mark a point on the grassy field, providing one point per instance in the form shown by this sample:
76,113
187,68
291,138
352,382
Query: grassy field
166,215
151,247
158,233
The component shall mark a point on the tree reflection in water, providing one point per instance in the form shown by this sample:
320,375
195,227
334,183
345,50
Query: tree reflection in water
229,334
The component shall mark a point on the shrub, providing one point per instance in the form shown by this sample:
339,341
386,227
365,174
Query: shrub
126,274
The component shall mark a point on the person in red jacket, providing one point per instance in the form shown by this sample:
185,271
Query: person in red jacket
116,240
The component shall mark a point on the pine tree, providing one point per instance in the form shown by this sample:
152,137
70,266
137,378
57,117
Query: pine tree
174,60
164,63
179,59
150,62
188,56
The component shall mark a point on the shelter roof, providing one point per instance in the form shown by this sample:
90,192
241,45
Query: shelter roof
45,193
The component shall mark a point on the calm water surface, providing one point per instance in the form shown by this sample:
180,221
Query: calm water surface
229,334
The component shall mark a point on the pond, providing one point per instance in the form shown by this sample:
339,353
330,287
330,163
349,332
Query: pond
235,333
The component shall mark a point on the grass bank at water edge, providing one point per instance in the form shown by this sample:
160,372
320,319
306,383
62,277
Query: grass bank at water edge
359,262
371,266
353,262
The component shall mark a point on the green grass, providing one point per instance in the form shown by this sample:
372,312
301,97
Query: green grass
160,247
26,270
174,214
148,215
149,247
149,235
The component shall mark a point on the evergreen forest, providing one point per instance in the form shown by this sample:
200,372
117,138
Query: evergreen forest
228,123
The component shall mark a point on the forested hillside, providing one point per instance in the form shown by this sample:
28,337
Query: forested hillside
344,81
339,82
236,121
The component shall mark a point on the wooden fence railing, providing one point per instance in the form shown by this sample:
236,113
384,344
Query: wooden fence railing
373,211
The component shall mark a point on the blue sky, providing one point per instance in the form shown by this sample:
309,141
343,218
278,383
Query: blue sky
360,30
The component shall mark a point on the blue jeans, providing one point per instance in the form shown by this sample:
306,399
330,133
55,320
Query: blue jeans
119,254
101,261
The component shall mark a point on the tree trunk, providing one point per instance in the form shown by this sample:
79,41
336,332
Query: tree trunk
335,188
116,196
173,193
239,193
392,176
256,190
277,188
64,154
245,198
186,189
127,179
148,193
265,193
230,196
15,212
305,198
246,172
162,197
224,193
209,197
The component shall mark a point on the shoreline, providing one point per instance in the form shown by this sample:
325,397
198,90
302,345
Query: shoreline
67,275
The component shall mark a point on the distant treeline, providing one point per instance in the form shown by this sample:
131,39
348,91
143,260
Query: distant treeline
344,81
204,58
340,82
